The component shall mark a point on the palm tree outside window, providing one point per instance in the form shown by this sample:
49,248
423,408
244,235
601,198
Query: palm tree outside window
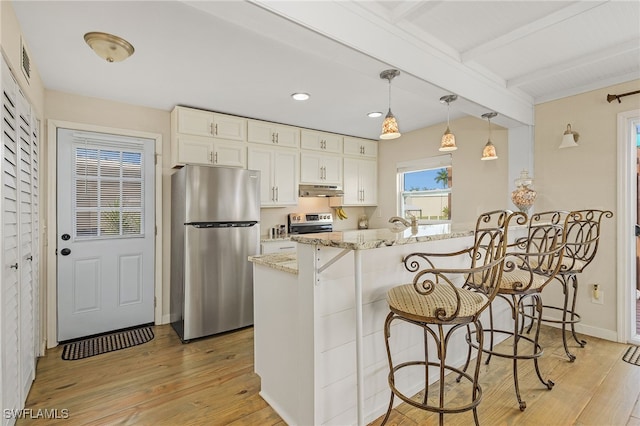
425,190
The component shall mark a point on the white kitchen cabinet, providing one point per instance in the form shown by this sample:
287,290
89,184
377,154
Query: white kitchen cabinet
278,246
273,134
217,152
320,141
278,175
205,123
320,169
360,147
360,182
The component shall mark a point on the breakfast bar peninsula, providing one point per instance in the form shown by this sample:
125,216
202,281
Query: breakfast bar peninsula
319,315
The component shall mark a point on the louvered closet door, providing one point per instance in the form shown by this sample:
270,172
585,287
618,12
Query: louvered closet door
25,246
9,299
35,229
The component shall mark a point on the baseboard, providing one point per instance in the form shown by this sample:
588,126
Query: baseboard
166,319
282,413
601,333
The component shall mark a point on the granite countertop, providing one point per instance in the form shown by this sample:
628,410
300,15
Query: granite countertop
267,239
286,262
375,238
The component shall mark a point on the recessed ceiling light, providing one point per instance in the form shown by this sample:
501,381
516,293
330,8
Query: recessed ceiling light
300,96
374,114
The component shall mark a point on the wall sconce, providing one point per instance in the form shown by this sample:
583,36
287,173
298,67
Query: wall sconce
569,138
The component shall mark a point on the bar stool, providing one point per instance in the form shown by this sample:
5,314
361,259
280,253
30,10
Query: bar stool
437,303
583,236
531,263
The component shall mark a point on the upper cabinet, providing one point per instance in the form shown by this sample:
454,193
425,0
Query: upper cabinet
320,169
278,175
204,123
215,152
360,182
360,147
273,134
320,141
204,137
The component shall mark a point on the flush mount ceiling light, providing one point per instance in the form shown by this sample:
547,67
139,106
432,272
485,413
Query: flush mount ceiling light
390,124
300,96
569,138
448,142
109,47
374,114
489,151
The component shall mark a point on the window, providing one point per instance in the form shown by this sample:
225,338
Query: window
424,189
107,192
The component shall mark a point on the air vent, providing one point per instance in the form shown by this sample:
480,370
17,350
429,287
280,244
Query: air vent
26,61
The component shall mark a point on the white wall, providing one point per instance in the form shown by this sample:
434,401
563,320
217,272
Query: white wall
478,185
584,177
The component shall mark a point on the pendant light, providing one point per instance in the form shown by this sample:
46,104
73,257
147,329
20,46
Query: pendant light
448,142
390,124
489,151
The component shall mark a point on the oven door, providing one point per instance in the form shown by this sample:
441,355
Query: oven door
310,229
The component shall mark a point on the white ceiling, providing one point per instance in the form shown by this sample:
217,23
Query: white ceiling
246,58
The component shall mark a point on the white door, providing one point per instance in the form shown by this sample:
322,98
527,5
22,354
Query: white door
105,233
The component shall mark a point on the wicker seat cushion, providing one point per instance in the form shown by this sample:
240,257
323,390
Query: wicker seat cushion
404,300
568,265
510,279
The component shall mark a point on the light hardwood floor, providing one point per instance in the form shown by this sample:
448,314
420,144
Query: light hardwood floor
211,382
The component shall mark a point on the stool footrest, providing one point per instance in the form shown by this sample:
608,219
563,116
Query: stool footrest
434,408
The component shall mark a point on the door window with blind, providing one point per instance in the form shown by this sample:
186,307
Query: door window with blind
108,192
425,188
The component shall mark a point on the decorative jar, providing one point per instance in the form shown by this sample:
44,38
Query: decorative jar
523,196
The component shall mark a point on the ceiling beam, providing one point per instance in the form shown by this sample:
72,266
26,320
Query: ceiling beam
353,26
599,56
532,27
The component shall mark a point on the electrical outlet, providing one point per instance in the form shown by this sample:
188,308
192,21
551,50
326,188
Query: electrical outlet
597,295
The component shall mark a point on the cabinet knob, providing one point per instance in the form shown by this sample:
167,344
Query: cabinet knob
14,266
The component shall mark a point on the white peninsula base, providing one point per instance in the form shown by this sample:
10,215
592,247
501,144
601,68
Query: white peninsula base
306,327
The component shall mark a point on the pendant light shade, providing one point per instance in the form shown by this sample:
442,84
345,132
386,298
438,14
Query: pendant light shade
448,142
489,151
390,127
390,124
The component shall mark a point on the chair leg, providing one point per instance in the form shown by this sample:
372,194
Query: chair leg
491,328
426,367
538,304
565,307
391,377
516,338
574,279
468,360
476,375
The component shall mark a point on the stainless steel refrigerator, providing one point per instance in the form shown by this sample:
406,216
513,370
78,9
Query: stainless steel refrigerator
215,214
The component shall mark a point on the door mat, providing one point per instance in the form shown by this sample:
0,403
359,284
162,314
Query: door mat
632,356
107,343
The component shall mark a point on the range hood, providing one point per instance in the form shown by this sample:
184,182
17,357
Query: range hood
320,191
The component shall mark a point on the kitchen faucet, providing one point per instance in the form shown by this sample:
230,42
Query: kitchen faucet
397,219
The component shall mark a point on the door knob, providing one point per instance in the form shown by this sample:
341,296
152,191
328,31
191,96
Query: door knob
65,252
